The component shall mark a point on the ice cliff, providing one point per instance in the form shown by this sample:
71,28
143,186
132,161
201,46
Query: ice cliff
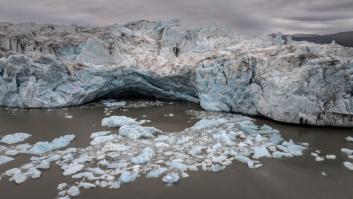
296,82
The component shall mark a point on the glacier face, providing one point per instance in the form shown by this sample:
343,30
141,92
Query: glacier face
295,82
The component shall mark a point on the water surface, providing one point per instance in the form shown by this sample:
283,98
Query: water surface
292,178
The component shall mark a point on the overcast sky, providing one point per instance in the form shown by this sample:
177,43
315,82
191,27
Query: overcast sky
246,16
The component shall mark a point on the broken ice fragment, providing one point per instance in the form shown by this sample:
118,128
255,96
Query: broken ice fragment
330,157
102,139
144,157
127,176
261,151
14,138
57,143
155,173
349,139
118,121
72,168
278,154
73,191
349,165
138,131
347,151
171,178
5,159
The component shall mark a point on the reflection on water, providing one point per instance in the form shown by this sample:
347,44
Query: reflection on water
284,178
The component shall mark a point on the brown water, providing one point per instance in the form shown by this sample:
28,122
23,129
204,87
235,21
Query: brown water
277,179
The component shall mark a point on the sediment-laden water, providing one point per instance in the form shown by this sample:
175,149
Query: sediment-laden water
297,177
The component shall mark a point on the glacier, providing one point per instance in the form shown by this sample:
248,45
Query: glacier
45,65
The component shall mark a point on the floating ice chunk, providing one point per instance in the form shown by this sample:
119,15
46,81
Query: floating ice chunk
118,121
144,157
265,129
61,186
349,139
14,138
45,164
100,133
127,176
171,178
349,165
114,184
87,185
87,175
102,139
275,138
16,175
155,173
73,191
261,151
330,157
206,123
57,143
196,150
294,149
178,165
12,152
279,154
319,159
217,168
252,164
137,131
161,144
113,103
114,147
248,127
18,178
347,151
12,171
33,173
72,168
68,116
5,159
227,138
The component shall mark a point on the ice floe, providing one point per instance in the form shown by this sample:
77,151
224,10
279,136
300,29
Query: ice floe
57,143
5,159
349,165
349,139
137,131
14,138
118,121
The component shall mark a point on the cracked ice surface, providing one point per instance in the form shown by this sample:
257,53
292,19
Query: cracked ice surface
115,159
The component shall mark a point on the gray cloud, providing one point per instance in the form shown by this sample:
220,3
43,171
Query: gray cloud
245,16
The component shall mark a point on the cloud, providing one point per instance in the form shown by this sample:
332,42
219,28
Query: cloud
245,16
